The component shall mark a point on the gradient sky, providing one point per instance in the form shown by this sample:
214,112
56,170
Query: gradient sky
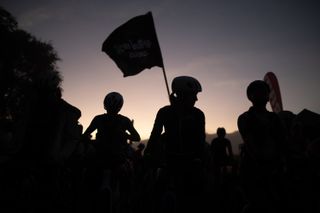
224,44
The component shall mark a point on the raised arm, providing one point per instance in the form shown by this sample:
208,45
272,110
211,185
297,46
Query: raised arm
91,127
134,135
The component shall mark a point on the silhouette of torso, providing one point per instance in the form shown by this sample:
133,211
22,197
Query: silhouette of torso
184,130
111,139
263,135
219,148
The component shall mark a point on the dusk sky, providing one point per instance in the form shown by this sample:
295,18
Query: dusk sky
224,44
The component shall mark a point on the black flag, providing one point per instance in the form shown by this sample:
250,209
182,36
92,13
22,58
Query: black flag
134,45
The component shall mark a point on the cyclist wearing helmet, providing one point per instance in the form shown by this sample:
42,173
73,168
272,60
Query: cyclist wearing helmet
262,154
112,128
111,169
184,136
184,124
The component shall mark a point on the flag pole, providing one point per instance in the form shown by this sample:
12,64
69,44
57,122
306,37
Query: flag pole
166,81
163,69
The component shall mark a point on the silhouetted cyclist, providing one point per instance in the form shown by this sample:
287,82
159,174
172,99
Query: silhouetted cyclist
184,138
262,154
222,155
113,133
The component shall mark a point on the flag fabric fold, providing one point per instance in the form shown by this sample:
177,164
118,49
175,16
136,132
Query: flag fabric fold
275,94
134,46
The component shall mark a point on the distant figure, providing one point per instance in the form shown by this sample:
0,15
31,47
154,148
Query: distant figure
138,160
183,138
111,171
262,158
222,155
139,151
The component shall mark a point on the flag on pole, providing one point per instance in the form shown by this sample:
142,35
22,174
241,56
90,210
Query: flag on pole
275,95
134,46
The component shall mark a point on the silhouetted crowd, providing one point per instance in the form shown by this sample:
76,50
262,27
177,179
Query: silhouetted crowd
49,164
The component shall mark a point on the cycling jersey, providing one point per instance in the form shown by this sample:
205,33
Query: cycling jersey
184,131
111,138
263,135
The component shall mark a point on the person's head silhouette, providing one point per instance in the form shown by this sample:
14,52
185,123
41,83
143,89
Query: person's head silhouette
141,146
113,102
258,93
221,132
185,90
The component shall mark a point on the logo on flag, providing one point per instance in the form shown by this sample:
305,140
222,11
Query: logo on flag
134,45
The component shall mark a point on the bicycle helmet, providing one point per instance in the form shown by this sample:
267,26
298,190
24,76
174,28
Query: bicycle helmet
185,84
113,102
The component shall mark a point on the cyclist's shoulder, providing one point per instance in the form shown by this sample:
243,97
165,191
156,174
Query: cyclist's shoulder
166,108
166,111
244,114
274,116
98,118
123,119
226,141
214,140
196,112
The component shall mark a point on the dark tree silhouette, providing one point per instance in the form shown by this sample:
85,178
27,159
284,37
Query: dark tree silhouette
27,65
39,131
